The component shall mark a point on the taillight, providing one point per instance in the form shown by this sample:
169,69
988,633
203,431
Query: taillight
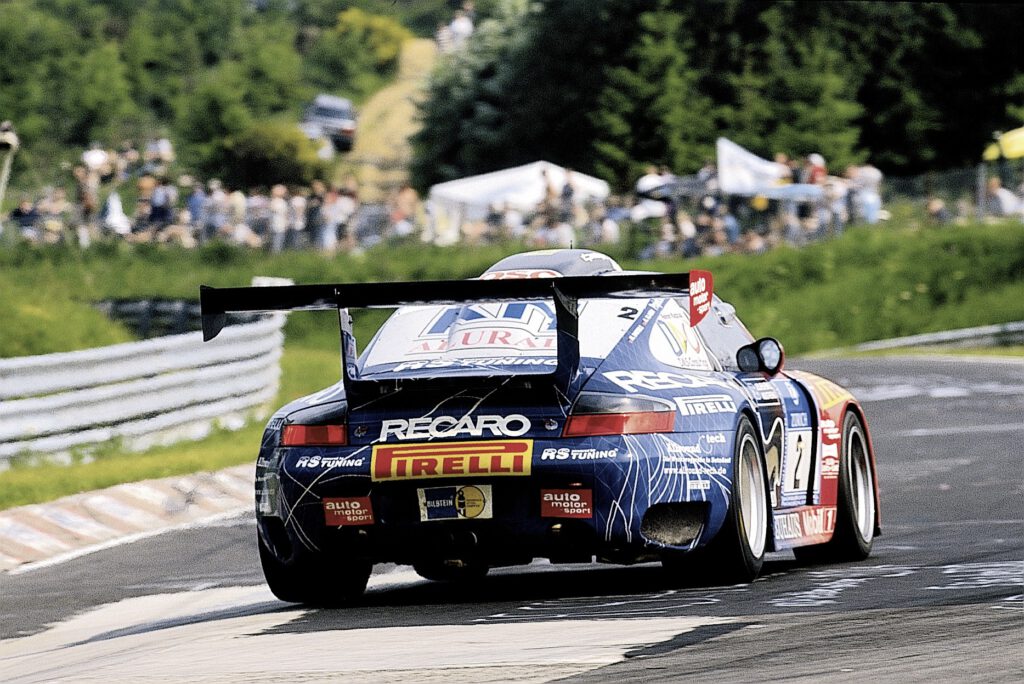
314,435
596,414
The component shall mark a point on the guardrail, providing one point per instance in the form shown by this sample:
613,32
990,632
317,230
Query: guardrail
986,335
155,391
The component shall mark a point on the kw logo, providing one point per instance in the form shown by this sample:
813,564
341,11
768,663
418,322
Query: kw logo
453,459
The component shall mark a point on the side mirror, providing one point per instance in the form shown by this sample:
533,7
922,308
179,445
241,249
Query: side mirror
764,356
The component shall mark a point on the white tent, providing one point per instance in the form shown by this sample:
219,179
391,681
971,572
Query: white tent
521,187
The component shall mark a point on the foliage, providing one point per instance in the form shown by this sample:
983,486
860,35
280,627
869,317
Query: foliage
361,50
77,71
607,86
270,152
872,283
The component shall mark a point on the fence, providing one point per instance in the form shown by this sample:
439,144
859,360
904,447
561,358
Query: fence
143,393
1000,334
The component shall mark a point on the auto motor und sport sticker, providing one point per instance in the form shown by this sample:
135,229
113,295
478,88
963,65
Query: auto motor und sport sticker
341,512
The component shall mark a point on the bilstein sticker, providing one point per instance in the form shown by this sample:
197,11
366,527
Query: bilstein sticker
464,502
454,459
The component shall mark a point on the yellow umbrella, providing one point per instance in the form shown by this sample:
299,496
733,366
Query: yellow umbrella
1012,143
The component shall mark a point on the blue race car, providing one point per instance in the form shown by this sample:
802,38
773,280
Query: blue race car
556,407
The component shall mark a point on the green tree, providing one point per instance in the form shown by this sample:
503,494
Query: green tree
357,54
103,102
269,152
651,110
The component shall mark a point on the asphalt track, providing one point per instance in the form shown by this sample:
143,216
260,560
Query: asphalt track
940,599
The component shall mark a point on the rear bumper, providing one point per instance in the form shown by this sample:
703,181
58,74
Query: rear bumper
616,523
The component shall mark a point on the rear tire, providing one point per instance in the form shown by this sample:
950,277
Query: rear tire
316,580
855,512
736,554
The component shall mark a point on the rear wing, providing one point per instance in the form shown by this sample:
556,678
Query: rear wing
566,292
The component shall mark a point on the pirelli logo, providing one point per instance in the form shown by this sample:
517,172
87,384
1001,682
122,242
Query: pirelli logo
451,459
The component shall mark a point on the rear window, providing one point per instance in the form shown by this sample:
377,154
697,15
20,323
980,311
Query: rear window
513,334
331,113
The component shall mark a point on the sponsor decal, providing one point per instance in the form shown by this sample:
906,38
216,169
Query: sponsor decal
701,287
714,438
521,274
829,461
705,405
699,485
799,420
634,380
798,460
535,316
476,361
597,256
328,462
764,392
686,459
577,454
567,503
464,502
642,325
446,427
500,338
454,459
807,522
830,432
353,510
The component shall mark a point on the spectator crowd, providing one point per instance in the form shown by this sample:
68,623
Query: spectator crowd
666,215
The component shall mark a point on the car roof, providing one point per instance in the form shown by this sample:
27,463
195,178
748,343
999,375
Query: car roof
566,262
324,100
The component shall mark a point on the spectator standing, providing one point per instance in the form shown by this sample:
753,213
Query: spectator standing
237,207
999,201
512,222
729,224
566,199
215,211
403,210
333,218
297,218
814,171
196,205
114,218
161,204
461,29
87,199
444,38
278,209
347,203
314,213
25,216
868,187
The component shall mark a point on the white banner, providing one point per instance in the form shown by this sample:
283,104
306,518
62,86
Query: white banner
743,173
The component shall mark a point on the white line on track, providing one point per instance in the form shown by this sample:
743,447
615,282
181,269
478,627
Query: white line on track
959,430
217,519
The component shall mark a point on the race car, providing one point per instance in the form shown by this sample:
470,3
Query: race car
555,407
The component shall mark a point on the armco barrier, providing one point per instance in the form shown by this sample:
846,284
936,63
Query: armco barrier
983,336
141,392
